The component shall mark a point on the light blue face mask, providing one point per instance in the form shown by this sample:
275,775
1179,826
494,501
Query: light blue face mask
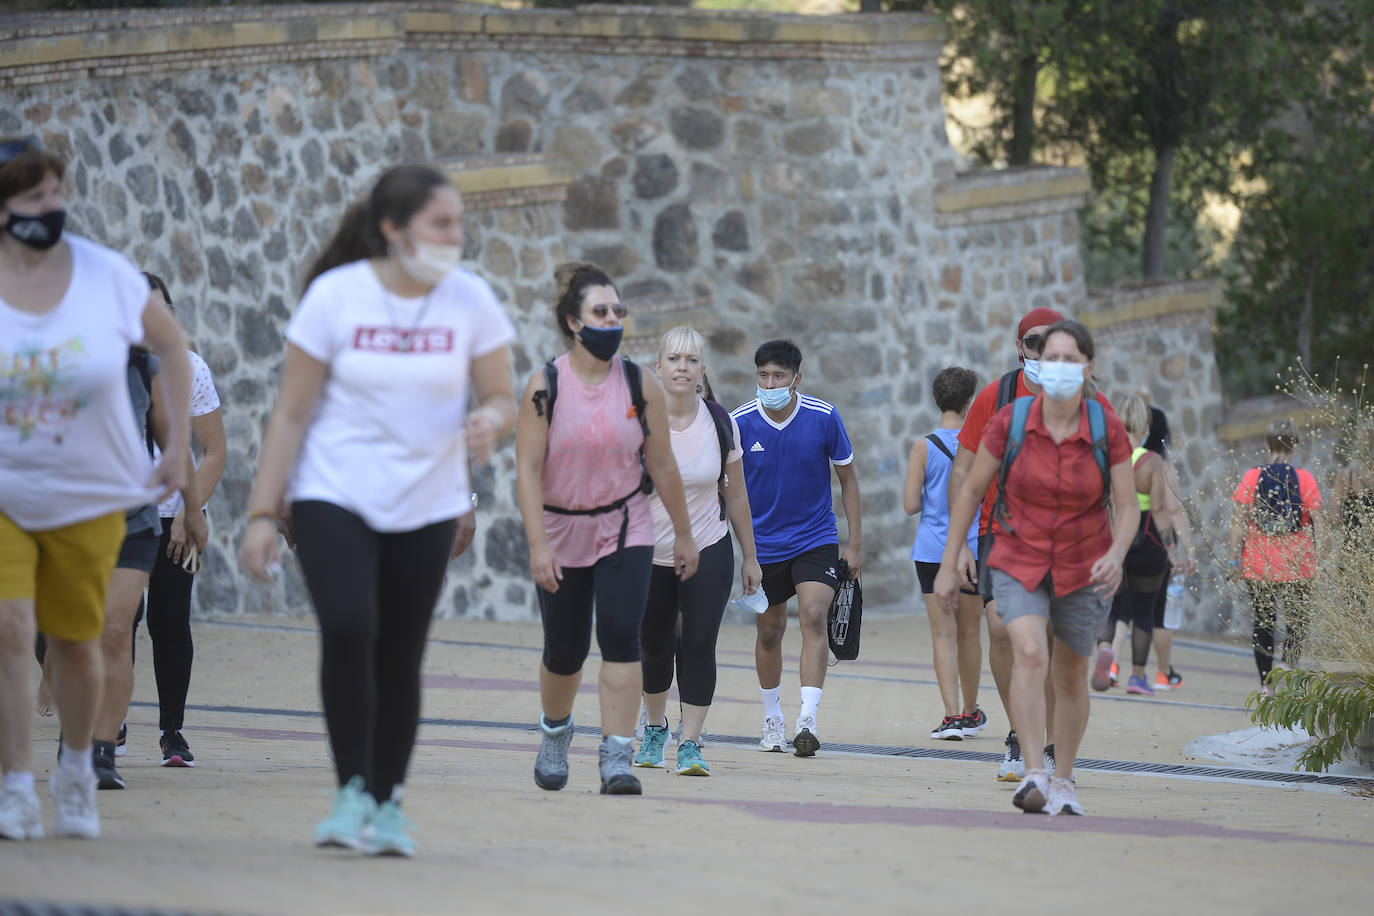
1032,368
774,398
1061,380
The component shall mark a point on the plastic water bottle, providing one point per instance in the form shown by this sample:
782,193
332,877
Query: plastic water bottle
756,603
1173,602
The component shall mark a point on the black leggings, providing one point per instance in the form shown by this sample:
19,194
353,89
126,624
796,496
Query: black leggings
1134,604
169,627
374,595
619,593
700,604
1267,597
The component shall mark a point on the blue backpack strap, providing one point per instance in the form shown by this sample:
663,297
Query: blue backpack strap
1016,435
1097,431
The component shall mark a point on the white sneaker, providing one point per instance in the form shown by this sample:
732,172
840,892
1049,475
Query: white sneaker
75,796
1063,797
21,816
1032,793
774,734
804,742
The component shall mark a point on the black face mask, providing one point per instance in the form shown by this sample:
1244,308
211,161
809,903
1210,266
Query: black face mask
601,342
42,231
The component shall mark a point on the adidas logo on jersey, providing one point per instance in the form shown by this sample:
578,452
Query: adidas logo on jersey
756,447
831,573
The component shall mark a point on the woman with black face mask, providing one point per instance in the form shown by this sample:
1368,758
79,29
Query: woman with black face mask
592,426
72,460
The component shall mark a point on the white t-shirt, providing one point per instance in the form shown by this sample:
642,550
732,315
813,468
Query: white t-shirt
204,399
387,438
70,447
697,450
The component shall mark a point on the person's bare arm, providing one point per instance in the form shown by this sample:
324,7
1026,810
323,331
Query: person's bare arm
915,477
963,507
853,553
167,342
662,467
742,520
1107,570
531,444
495,413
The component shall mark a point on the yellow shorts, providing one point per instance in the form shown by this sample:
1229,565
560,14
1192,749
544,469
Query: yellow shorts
65,571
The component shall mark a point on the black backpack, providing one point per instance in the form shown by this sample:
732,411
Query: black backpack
1278,500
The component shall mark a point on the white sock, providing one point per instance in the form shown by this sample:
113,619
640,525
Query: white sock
621,740
811,701
19,782
76,761
772,705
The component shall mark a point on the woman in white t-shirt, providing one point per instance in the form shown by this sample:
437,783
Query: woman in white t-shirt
682,617
178,560
371,437
71,462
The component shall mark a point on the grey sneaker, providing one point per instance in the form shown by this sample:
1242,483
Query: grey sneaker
1033,792
804,742
616,775
551,766
774,734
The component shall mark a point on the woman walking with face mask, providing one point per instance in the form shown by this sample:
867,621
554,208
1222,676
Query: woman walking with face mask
591,426
370,436
1058,554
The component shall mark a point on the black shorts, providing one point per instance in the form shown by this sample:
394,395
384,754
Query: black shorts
139,551
984,574
780,580
926,573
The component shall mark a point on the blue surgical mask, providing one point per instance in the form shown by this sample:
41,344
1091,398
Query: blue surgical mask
775,398
1061,380
1032,367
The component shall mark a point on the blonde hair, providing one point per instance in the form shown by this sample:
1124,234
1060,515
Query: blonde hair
683,339
1134,414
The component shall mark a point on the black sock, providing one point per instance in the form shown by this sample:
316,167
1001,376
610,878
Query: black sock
557,723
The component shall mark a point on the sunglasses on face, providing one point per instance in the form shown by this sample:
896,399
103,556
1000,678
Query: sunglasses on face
601,311
1033,343
15,148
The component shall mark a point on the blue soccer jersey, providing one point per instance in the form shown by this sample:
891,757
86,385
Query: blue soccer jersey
787,471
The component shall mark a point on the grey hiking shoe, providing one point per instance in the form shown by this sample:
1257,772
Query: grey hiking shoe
551,766
616,775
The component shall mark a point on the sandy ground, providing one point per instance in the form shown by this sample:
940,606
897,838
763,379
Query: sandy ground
840,832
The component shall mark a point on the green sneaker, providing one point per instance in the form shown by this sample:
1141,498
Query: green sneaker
689,760
651,748
344,825
388,833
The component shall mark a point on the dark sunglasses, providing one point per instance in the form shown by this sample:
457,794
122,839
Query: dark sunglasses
16,148
1033,342
601,311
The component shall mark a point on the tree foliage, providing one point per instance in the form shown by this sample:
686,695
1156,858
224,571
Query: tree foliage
1330,707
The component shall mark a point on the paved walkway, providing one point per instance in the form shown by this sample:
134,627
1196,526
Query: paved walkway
895,823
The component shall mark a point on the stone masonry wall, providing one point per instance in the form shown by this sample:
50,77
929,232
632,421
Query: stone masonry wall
753,175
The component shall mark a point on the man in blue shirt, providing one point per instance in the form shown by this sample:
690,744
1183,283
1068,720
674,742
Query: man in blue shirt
790,441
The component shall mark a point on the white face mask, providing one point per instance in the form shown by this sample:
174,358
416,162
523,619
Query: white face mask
1061,380
430,263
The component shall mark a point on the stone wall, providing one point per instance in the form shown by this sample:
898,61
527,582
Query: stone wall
753,175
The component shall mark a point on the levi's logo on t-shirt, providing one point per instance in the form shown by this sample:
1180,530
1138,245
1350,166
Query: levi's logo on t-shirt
387,339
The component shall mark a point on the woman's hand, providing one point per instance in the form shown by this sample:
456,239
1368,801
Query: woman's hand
258,551
187,531
966,567
169,476
544,569
947,587
1106,575
483,430
467,528
685,556
750,575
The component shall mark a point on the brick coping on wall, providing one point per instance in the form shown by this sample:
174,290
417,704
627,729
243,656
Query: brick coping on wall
994,195
37,47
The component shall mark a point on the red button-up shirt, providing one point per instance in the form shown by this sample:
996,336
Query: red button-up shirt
1054,501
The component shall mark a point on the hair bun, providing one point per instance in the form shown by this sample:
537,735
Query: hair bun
564,274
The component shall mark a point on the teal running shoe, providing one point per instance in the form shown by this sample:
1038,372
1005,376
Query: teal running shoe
689,760
388,833
344,825
651,748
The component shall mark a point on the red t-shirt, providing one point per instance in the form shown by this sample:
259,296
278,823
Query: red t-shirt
1054,501
971,434
1279,557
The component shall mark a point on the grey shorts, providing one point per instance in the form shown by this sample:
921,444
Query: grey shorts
1076,618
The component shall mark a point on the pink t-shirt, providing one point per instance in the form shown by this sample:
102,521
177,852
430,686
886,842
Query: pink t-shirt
697,451
593,460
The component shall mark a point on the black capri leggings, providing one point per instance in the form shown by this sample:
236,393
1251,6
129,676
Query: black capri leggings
1134,604
618,592
700,604
374,596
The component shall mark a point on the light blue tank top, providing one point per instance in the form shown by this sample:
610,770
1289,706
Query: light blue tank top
929,546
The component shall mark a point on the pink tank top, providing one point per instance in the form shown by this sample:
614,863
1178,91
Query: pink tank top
593,460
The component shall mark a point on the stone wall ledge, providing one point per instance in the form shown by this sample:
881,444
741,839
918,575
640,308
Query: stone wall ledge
1108,309
517,179
995,195
28,40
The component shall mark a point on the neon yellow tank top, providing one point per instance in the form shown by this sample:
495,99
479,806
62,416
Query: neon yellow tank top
1142,498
